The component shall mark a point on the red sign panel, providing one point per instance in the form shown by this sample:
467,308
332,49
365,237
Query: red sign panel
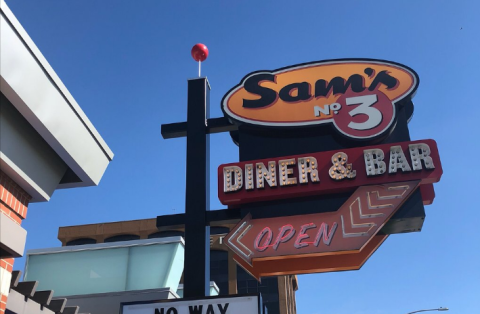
346,230
328,172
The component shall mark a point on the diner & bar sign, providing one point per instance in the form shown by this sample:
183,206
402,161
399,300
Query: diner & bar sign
328,172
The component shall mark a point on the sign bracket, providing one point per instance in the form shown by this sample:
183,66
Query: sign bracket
214,125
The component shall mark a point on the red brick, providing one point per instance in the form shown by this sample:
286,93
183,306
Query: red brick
13,196
3,303
7,264
13,204
10,214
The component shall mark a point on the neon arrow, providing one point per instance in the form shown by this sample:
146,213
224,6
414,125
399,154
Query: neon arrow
382,204
238,235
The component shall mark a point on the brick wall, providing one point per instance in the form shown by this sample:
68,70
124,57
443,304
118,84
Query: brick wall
13,203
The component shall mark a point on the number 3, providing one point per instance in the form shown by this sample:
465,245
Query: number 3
374,115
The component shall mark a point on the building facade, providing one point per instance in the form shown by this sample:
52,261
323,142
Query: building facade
46,140
278,293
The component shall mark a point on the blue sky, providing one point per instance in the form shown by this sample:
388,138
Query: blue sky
127,64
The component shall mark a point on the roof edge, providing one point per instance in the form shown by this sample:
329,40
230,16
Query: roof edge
10,17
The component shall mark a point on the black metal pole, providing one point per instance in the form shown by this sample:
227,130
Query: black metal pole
197,233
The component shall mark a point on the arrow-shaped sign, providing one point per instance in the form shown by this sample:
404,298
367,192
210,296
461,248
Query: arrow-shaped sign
308,263
347,230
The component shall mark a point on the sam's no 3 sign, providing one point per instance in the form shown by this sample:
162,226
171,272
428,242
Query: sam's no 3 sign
357,96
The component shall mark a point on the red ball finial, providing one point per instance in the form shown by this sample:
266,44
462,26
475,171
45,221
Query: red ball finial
199,52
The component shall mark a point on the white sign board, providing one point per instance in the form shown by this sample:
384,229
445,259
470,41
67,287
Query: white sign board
231,305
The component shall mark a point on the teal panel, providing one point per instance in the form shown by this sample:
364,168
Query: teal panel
97,269
213,291
149,266
80,272
176,268
180,293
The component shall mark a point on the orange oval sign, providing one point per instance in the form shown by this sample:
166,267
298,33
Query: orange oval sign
357,95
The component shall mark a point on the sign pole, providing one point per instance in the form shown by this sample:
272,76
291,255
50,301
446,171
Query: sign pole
197,231
197,202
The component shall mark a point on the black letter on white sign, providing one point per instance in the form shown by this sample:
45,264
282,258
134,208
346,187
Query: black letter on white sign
224,309
210,309
195,309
